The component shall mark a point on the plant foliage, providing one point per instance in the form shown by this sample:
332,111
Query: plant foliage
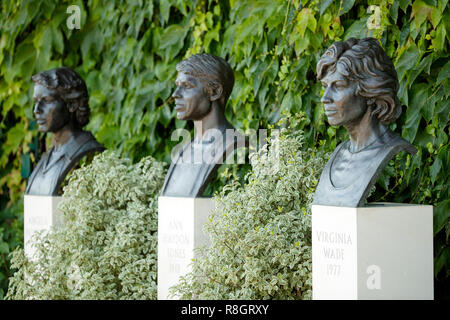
261,232
107,247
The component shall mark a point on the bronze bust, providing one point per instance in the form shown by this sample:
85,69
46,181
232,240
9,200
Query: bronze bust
62,108
203,86
360,93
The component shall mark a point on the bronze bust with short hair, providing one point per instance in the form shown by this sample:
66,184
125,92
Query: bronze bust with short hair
62,108
360,93
203,86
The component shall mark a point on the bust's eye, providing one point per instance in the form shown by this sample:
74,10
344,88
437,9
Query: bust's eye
340,85
187,85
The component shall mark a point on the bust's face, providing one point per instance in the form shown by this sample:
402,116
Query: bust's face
343,105
49,110
191,99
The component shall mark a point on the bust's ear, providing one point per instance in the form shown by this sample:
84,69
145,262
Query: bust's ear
216,91
71,106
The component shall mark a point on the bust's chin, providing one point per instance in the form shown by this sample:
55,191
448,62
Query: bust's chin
42,128
181,116
333,122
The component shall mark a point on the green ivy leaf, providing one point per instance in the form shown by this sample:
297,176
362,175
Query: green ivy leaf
407,61
306,20
441,261
357,30
4,248
346,6
404,4
439,40
413,115
444,73
420,12
435,169
164,7
323,5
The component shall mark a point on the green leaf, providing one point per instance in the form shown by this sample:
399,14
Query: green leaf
15,137
245,30
357,30
172,35
306,20
318,115
57,39
418,101
172,40
383,180
109,136
404,4
4,248
444,73
439,39
407,61
24,52
164,7
435,17
324,5
420,12
301,44
42,42
394,11
441,261
92,39
424,65
127,51
435,169
346,6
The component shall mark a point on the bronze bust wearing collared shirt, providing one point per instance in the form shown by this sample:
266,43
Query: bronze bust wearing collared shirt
62,108
203,85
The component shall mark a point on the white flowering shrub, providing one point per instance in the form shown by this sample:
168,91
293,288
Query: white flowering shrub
261,231
107,248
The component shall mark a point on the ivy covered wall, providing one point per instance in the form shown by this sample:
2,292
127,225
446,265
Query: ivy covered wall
127,52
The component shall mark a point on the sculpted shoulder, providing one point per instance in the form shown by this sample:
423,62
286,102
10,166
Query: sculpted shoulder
86,143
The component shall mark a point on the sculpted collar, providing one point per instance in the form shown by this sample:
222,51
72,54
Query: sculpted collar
67,150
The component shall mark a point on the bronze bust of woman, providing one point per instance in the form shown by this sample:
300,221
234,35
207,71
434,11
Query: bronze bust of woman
360,93
62,108
203,86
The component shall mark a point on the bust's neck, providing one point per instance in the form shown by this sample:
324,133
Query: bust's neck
364,132
63,135
215,119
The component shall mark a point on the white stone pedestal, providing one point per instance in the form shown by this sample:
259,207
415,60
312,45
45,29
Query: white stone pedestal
40,214
381,251
180,230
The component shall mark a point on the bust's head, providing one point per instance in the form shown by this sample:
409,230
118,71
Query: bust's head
358,77
202,80
60,97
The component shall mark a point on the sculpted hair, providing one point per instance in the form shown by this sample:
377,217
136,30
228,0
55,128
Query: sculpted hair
71,88
210,70
365,62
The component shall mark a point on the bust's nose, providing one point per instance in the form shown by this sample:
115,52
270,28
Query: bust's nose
326,97
37,107
176,93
